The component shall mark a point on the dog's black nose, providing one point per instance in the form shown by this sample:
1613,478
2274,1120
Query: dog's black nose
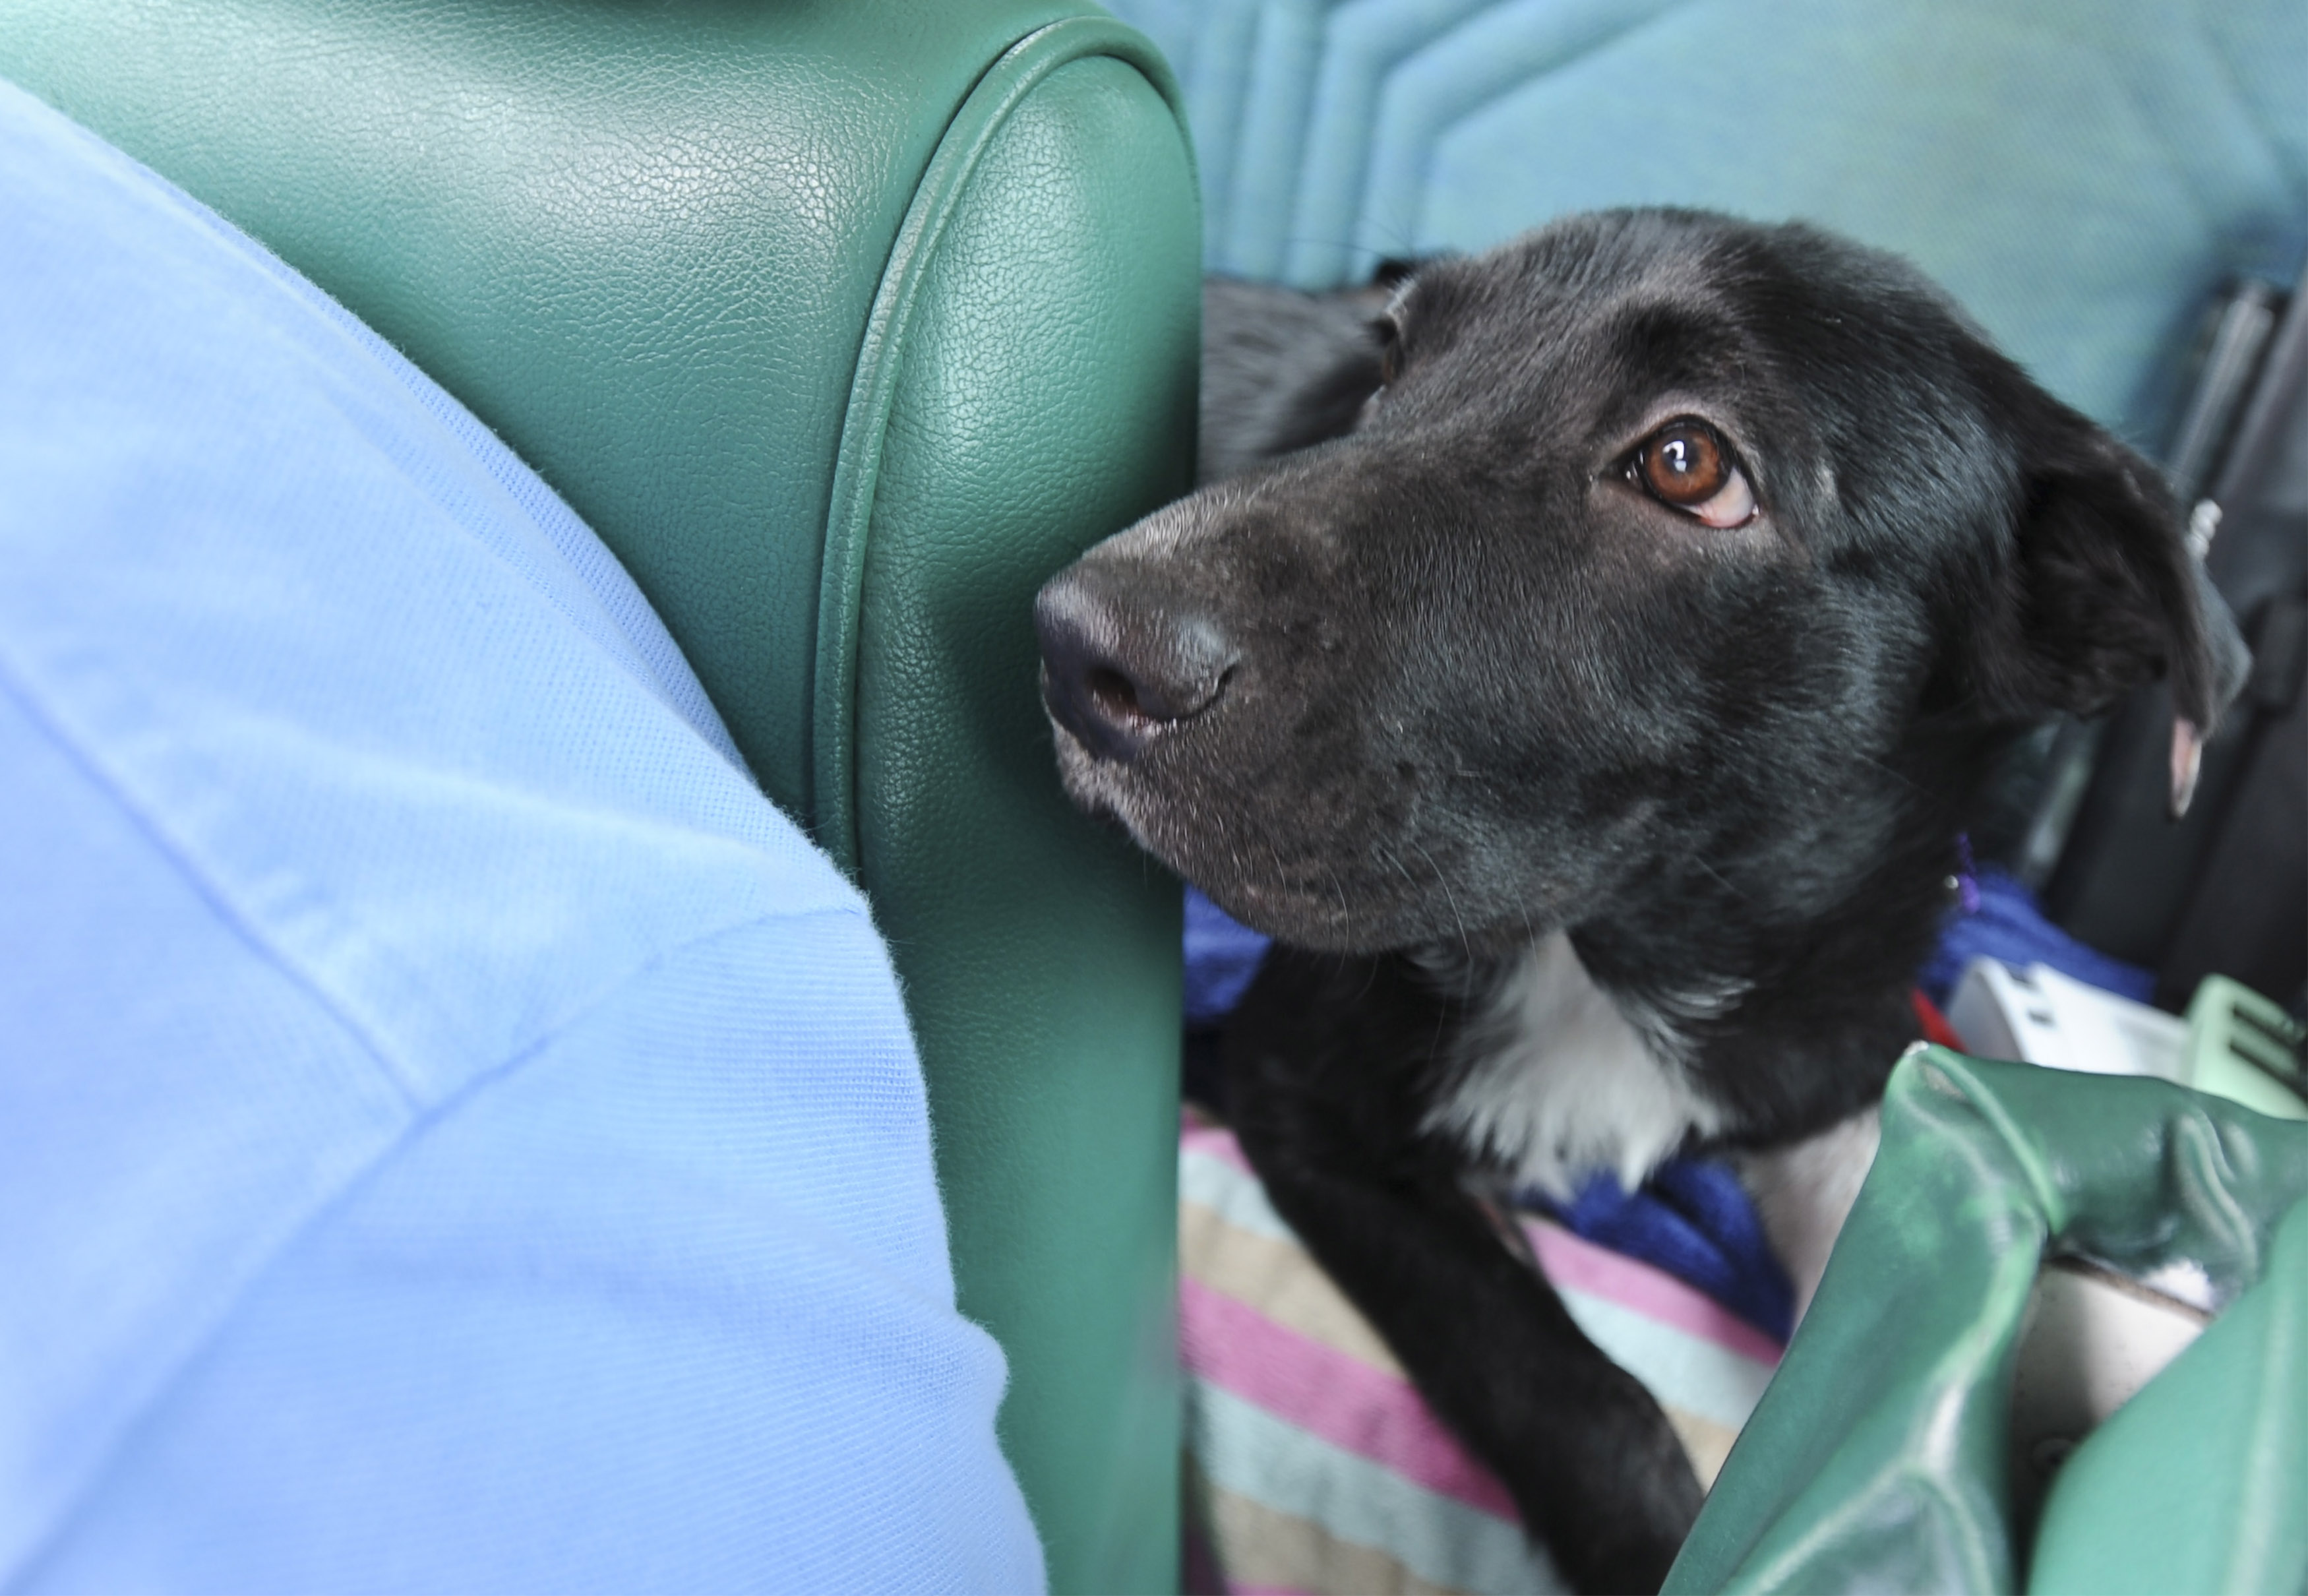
1123,662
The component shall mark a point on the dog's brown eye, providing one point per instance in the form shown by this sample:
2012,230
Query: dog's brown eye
1686,464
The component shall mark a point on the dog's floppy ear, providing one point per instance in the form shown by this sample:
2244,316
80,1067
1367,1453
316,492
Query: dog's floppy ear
2100,592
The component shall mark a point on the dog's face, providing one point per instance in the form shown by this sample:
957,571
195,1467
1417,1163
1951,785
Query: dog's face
1658,539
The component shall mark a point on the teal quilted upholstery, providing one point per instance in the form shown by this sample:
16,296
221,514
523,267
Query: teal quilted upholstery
2082,173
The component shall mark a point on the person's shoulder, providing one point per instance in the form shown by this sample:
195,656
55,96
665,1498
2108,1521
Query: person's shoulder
404,719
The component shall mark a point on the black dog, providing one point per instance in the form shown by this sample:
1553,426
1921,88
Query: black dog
1592,725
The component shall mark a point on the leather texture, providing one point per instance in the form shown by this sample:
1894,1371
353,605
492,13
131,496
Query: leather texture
2080,174
1045,387
1876,1460
747,283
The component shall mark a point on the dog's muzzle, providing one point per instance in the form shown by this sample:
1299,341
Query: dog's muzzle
1123,663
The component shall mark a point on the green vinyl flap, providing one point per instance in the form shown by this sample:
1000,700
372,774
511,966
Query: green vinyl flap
1877,1460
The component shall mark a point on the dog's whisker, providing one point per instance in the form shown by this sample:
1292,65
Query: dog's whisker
1465,941
1394,862
1719,879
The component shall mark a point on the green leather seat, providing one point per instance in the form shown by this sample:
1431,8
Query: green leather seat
843,326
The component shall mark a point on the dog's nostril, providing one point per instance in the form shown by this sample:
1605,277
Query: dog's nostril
1157,684
1114,693
1123,659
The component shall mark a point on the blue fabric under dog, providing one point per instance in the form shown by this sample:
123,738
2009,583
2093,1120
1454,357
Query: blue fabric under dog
2009,925
1694,1220
1222,956
454,1133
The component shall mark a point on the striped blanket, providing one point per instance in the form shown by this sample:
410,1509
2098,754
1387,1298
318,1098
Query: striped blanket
1313,1465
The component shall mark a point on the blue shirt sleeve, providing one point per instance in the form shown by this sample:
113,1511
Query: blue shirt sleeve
454,1133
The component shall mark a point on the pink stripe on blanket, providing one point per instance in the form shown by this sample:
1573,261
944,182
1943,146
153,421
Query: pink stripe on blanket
1327,1394
1215,1141
1575,1263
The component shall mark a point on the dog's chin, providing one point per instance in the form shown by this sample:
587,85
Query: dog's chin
1303,920
1329,922
1325,915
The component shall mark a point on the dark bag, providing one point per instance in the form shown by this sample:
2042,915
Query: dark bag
2224,890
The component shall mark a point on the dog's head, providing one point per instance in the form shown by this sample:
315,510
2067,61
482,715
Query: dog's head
1659,542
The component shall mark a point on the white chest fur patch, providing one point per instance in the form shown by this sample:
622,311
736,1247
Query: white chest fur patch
1557,1081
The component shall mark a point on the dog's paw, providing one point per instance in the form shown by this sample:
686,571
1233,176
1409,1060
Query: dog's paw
1613,1521
1630,1559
